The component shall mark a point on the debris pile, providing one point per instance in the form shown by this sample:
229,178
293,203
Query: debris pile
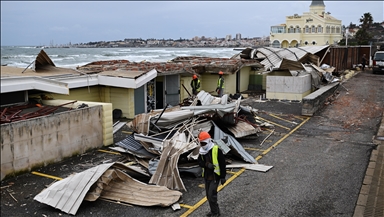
163,144
167,138
27,111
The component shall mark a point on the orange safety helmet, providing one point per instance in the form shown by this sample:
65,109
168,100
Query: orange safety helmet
203,136
221,73
194,76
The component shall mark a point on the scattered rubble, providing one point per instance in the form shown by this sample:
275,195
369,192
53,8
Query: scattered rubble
163,144
27,111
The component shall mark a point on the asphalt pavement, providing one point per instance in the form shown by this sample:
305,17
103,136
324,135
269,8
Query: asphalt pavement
320,165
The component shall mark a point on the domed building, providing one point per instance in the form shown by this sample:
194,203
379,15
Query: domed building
315,27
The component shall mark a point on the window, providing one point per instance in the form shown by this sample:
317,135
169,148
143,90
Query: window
291,29
306,29
306,42
313,42
319,29
277,29
276,44
332,29
338,29
313,29
298,29
327,29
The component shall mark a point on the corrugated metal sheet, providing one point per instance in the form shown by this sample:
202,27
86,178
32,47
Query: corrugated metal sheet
117,126
242,129
156,142
234,144
169,118
290,65
68,194
105,181
134,147
205,97
140,123
273,56
42,60
118,186
167,173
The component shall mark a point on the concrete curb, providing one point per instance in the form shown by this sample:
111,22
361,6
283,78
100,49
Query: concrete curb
368,202
316,100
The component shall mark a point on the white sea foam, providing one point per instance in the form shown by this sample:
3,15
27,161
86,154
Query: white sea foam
73,57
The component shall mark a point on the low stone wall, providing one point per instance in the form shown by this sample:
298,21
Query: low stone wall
315,101
39,141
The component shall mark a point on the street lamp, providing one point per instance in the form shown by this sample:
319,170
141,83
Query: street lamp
370,53
346,36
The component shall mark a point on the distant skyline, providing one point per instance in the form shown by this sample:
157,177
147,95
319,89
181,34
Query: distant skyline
34,23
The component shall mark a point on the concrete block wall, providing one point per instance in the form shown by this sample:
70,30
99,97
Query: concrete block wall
288,87
316,100
43,140
107,119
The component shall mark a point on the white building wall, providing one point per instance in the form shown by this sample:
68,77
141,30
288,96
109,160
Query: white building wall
288,87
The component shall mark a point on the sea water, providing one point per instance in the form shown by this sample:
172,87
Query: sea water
23,56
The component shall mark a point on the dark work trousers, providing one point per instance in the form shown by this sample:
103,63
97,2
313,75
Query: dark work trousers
211,192
220,93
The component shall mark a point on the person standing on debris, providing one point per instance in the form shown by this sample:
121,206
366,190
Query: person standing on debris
212,160
195,84
363,61
220,85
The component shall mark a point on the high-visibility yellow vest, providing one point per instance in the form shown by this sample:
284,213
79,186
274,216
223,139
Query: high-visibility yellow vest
195,85
215,160
219,81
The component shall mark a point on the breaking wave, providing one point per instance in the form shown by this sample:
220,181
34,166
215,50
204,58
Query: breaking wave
72,57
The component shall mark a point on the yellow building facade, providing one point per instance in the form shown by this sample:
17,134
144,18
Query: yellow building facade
315,27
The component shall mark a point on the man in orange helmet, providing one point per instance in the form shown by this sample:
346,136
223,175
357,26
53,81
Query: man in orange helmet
212,160
195,84
220,85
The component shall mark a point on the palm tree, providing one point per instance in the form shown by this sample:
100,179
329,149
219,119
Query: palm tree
363,36
366,21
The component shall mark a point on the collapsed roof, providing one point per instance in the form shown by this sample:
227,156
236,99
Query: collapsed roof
272,57
45,76
180,65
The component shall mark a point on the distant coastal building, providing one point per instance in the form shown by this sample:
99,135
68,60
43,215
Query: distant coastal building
238,36
315,27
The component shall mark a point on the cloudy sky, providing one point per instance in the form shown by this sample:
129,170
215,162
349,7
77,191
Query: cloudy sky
61,22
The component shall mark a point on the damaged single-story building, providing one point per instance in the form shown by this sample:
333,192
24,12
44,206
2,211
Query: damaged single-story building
172,83
40,133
